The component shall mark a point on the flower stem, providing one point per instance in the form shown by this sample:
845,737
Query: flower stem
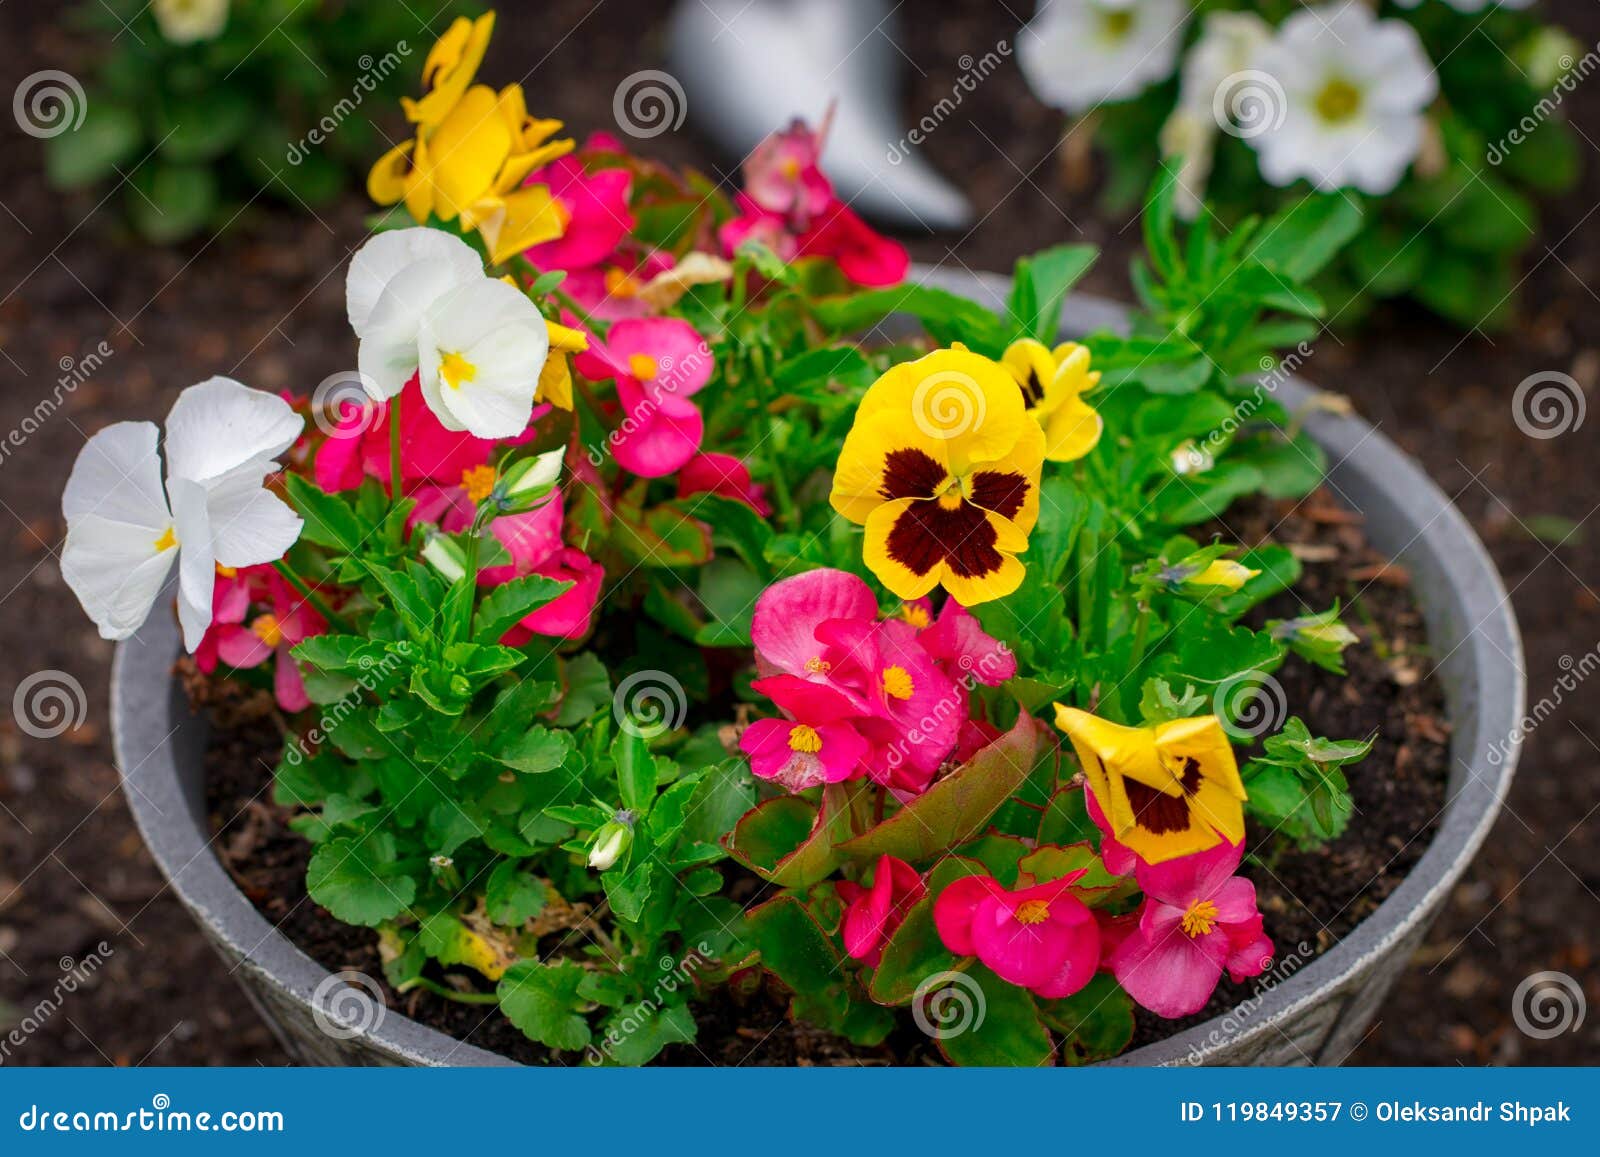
394,448
449,993
318,604
780,481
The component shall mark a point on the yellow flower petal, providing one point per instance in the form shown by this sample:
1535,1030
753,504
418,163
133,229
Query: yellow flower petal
1072,430
555,381
449,69
389,178
964,400
566,339
468,149
516,221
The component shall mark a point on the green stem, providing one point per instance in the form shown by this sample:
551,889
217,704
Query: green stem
780,481
449,993
317,602
394,448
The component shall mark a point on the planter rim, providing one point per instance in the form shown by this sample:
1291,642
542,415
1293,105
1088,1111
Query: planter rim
146,718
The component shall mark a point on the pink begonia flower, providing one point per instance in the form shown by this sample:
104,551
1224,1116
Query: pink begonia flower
873,914
267,635
658,364
722,474
598,218
810,747
359,446
963,647
1198,919
610,290
788,613
782,174
864,255
757,224
1042,938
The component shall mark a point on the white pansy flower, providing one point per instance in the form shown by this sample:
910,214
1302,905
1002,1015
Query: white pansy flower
393,280
1079,53
190,21
1356,89
1216,90
124,530
479,354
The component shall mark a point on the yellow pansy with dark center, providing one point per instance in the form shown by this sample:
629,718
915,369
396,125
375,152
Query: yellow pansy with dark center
942,469
1168,790
1053,382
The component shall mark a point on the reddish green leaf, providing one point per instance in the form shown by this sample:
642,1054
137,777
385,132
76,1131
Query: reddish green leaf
1097,1020
787,842
826,992
986,1021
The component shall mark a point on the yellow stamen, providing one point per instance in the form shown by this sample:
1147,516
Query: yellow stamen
915,614
478,482
620,283
1032,912
1200,918
804,738
455,369
167,540
817,666
1338,101
790,168
897,682
227,571
267,629
643,366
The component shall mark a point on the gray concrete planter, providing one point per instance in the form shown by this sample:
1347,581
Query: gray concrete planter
1313,1016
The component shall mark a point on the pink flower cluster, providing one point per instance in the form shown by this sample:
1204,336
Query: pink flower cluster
437,469
888,700
789,205
255,616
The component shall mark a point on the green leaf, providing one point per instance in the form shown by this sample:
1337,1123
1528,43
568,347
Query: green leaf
409,599
168,203
1302,239
109,136
204,127
947,316
542,1000
912,954
725,793
958,807
330,520
984,1021
637,771
536,751
1096,1022
642,1030
787,842
340,652
795,949
1041,282
507,604
514,895
353,879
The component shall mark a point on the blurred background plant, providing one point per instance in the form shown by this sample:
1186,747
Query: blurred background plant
212,104
1442,118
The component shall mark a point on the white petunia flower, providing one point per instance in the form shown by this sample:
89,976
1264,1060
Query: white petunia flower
1079,53
1216,90
124,530
1470,5
393,280
1356,88
479,354
190,21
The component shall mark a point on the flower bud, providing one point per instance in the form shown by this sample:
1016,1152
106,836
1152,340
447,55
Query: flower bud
611,841
445,556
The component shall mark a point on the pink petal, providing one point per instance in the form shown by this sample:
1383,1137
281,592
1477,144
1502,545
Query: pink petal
287,684
953,911
242,647
1172,974
788,613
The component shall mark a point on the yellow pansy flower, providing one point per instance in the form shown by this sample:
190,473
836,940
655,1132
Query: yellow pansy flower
1053,383
555,379
942,469
472,150
1168,790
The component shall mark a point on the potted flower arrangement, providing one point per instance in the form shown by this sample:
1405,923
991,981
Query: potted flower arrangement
659,621
1441,117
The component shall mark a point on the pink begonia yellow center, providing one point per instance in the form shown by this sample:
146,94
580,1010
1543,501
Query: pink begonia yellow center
455,369
1032,912
1200,918
897,683
818,666
478,482
620,283
915,614
167,541
643,367
804,738
267,629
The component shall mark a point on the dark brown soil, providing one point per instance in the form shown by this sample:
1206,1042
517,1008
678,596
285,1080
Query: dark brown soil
264,303
1310,899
